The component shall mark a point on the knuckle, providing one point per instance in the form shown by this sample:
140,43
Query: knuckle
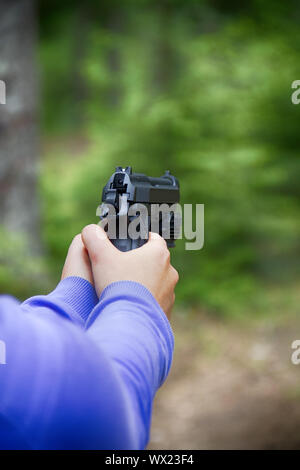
175,275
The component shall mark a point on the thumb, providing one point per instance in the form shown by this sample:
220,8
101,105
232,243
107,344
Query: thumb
97,243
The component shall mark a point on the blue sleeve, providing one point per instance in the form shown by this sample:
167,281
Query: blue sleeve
82,374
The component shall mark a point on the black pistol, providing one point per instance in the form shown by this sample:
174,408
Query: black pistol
125,189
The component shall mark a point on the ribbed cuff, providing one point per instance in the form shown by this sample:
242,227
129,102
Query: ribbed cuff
77,293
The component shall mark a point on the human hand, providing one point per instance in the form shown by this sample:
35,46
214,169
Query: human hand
149,265
77,261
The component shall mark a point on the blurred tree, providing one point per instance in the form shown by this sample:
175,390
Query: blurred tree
18,121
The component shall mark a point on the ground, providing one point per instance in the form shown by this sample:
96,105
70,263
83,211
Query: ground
232,386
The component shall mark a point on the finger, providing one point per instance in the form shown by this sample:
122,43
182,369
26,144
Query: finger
77,261
102,254
175,275
97,243
155,238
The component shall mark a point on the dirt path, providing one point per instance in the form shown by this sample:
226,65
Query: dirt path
231,387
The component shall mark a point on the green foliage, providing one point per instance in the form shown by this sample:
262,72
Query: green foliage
21,274
202,89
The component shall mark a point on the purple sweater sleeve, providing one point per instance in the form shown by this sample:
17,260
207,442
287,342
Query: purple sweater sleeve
81,373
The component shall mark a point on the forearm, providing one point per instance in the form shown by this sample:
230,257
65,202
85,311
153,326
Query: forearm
58,388
73,298
135,333
64,387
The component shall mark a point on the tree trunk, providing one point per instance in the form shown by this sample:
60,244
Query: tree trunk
18,121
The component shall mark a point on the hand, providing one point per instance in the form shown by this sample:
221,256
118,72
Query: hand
77,261
149,265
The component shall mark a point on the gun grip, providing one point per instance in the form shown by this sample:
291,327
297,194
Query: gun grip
128,244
